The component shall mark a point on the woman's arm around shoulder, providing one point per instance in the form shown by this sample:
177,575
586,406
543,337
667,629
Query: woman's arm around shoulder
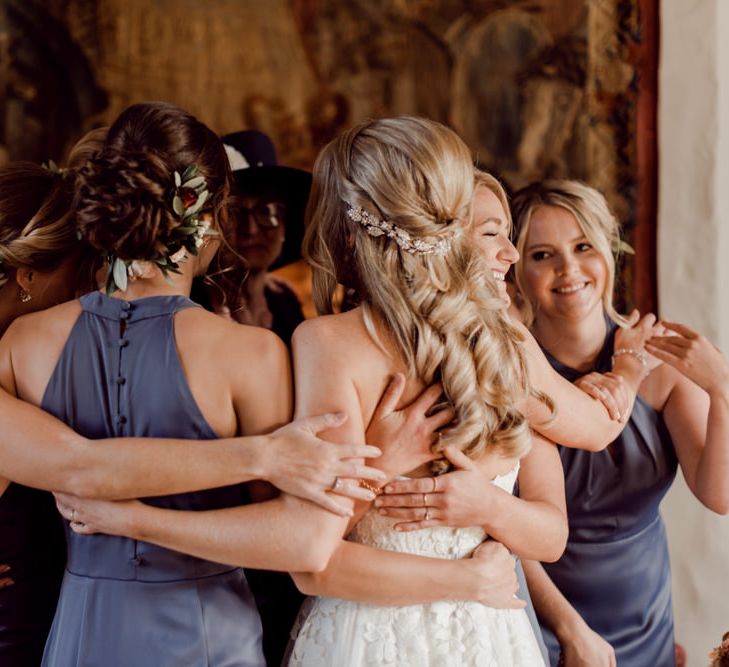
36,449
533,525
580,421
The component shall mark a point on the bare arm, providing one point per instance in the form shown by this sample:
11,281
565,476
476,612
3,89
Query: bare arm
697,412
533,525
580,421
38,450
267,535
281,534
375,576
581,646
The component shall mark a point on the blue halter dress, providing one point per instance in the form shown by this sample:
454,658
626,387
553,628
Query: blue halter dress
615,571
124,602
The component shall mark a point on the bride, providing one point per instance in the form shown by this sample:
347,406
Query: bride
389,206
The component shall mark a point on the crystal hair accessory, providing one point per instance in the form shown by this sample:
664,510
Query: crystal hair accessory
188,199
415,246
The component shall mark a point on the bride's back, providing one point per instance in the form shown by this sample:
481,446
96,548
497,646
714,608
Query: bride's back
389,202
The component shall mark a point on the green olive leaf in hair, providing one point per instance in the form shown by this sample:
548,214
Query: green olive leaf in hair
620,247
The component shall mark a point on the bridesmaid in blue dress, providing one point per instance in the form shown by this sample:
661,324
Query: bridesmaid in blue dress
608,598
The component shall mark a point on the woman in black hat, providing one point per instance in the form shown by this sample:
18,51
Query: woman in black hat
269,210
269,213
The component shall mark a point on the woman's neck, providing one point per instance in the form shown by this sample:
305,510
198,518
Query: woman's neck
8,312
576,343
254,287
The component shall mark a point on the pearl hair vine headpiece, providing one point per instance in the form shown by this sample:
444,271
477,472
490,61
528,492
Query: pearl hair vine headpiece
404,239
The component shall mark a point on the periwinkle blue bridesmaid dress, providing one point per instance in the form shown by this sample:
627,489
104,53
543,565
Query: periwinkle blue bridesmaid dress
615,571
126,603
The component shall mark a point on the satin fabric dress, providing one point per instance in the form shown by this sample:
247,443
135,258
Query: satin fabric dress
125,602
615,570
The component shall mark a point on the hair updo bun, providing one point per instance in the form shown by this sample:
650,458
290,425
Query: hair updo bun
125,191
122,205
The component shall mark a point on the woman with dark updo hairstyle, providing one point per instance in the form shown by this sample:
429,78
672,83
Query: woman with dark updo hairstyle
144,361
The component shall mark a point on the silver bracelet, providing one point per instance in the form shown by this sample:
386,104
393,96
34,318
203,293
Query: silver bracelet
640,356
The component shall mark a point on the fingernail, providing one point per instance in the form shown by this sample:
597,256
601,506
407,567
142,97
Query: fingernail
7,583
382,511
4,568
378,503
388,489
369,495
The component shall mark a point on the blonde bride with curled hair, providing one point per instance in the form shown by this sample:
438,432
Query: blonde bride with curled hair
439,305
388,214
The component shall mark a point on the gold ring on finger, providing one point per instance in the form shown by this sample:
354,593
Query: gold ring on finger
427,514
435,484
425,500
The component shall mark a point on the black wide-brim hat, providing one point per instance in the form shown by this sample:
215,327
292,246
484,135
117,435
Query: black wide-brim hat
259,173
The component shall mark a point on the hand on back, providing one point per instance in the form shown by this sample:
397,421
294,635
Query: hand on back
406,435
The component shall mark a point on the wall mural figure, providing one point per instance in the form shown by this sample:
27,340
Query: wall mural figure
49,91
538,88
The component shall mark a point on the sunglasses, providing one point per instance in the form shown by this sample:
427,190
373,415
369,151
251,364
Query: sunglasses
266,216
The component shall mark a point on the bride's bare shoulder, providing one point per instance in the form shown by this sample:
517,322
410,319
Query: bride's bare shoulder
341,329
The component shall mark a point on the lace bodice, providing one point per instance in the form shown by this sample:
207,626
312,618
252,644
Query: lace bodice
461,633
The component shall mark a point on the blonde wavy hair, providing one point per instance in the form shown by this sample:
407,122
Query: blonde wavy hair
442,311
596,221
486,180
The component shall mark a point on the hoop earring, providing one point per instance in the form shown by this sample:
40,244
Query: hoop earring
25,296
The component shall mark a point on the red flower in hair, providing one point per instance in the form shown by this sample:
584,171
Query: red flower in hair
188,196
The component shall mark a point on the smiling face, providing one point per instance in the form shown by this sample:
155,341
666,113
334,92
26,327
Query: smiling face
490,233
564,276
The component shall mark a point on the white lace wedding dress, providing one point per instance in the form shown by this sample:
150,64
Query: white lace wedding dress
338,633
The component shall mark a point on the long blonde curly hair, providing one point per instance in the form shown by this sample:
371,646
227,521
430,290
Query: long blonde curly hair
443,312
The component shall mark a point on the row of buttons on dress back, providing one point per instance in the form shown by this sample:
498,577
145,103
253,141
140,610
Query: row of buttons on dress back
121,381
124,315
